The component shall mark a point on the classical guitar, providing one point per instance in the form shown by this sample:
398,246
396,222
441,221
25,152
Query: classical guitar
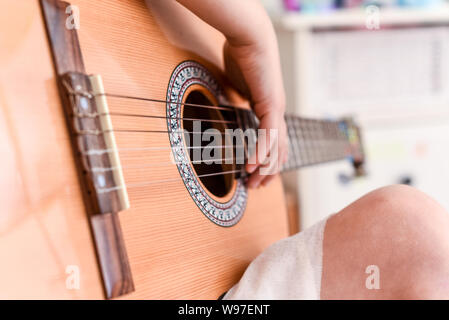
100,195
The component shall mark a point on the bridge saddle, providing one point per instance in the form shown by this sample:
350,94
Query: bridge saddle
92,125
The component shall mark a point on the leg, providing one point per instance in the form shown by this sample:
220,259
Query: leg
399,229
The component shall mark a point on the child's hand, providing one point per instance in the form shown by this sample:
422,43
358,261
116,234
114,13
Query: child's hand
255,70
252,63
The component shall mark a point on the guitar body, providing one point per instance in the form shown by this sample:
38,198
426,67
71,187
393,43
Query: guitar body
174,250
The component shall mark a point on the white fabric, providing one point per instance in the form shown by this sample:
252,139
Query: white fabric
289,269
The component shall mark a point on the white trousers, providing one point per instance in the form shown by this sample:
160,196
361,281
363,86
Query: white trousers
289,269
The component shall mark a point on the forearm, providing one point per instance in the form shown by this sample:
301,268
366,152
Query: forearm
249,25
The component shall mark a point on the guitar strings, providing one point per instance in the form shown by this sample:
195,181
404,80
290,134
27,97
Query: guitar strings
188,104
121,150
164,164
90,95
225,108
328,123
231,108
148,183
99,132
100,152
220,107
306,120
243,176
220,147
160,181
143,184
93,115
103,151
243,173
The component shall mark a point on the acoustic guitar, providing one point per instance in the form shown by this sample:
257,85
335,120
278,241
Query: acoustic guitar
100,195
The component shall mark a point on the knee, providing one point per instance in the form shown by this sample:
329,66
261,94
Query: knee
401,230
404,216
399,208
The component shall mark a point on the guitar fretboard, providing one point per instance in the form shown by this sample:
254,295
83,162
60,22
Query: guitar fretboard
310,141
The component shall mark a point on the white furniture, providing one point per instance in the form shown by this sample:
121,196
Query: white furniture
394,81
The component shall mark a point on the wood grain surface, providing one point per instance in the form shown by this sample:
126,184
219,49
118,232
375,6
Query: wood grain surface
174,250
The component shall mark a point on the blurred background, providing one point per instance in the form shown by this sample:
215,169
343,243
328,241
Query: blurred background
386,63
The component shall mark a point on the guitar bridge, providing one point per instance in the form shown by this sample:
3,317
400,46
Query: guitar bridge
89,120
92,125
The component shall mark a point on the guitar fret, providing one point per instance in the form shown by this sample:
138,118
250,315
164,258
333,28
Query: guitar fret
324,140
327,153
295,143
297,146
303,141
321,141
318,149
299,141
309,141
290,162
317,140
287,165
295,149
334,133
304,147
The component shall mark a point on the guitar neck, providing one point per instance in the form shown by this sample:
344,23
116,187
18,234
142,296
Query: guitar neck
313,141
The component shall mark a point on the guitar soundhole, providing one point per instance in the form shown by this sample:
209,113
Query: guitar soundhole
217,192
218,185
